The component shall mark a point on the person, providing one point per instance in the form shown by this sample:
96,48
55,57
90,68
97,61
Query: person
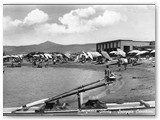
107,73
119,64
125,63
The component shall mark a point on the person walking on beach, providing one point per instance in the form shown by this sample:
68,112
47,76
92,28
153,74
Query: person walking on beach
119,64
125,63
107,73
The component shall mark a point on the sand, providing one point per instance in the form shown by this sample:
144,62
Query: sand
134,84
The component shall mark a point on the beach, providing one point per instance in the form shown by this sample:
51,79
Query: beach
132,85
139,82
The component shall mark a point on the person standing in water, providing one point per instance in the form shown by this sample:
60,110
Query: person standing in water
107,73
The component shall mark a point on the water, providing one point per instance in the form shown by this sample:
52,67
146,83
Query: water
24,85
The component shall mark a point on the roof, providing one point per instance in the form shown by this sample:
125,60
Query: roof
123,40
114,41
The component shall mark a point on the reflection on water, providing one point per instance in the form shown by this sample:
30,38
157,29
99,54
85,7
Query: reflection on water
25,84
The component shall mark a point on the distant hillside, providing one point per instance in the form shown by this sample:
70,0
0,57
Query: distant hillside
49,47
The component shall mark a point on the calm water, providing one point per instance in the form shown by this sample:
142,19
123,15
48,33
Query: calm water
24,85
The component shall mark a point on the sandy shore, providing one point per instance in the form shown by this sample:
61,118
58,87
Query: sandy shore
134,84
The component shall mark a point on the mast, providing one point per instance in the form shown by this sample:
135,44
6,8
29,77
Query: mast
80,87
76,92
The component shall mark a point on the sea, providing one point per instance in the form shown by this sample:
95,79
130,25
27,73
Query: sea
22,85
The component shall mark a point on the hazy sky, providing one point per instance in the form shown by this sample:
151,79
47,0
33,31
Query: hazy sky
77,24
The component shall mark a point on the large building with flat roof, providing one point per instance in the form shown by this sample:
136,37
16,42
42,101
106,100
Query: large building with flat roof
125,45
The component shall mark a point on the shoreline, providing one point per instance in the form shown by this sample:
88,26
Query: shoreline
139,81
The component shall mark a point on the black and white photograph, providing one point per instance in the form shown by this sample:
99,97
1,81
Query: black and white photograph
79,59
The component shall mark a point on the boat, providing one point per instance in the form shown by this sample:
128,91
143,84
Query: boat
52,106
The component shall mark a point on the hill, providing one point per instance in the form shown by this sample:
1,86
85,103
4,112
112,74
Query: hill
49,46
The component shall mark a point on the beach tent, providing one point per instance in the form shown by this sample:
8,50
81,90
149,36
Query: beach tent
106,55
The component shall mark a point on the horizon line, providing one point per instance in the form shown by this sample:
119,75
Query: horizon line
80,43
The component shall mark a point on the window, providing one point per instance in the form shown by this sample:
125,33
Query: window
102,47
107,45
111,45
119,45
114,45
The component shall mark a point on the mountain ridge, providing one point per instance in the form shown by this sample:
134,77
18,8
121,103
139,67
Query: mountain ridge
48,46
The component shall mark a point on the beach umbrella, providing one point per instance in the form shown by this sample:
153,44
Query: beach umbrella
36,55
90,55
7,56
85,54
94,54
149,49
133,51
48,55
114,52
59,55
153,51
68,55
13,56
121,52
106,55
142,52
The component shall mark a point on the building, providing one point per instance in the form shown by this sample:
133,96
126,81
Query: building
125,45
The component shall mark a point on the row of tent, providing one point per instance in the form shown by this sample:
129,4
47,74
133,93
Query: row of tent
90,55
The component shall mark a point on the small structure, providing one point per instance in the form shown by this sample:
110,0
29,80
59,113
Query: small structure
125,45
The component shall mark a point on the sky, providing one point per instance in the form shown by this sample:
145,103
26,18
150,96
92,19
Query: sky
77,24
